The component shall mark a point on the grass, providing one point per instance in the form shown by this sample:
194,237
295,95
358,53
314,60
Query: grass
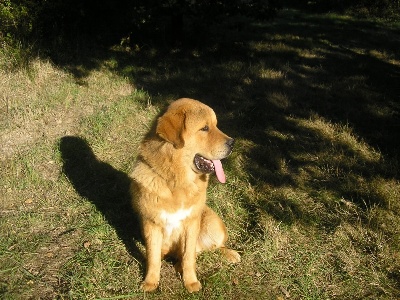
312,198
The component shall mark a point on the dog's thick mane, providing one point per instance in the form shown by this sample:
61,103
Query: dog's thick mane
161,173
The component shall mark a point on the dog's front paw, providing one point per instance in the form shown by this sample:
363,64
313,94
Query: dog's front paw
148,286
193,287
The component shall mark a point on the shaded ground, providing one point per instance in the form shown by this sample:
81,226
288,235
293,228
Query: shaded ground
304,51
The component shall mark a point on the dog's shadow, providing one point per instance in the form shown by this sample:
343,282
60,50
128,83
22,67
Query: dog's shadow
104,186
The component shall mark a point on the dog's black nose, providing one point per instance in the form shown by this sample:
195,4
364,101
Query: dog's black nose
230,142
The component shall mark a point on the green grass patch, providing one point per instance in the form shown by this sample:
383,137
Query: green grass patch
312,194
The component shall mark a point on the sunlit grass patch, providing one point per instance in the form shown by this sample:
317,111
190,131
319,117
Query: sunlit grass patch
23,91
271,74
340,135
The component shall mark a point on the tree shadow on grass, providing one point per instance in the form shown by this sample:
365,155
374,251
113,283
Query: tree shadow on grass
262,78
104,186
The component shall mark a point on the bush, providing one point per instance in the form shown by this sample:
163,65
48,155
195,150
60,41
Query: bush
14,20
16,25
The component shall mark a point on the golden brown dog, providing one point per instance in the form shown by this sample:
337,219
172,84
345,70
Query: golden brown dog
169,185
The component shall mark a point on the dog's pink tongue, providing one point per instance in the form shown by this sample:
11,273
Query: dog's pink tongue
219,171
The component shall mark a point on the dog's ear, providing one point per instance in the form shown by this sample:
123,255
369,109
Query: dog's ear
170,127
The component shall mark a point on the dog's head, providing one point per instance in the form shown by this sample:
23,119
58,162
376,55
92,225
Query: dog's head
192,126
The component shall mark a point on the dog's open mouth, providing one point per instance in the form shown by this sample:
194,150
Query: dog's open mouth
208,166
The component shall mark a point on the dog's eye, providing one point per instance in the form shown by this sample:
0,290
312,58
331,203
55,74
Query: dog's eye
205,128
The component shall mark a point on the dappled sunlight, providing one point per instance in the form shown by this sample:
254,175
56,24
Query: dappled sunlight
272,74
315,140
342,136
312,193
315,172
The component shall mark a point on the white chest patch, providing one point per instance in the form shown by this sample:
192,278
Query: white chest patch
173,220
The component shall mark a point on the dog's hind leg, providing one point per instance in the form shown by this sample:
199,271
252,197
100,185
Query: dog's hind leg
213,235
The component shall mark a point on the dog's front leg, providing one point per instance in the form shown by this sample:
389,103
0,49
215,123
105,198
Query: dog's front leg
189,256
153,240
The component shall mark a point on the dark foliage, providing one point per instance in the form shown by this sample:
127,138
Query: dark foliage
66,21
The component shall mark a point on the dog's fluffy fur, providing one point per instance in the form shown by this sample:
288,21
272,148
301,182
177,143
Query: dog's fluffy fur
168,190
